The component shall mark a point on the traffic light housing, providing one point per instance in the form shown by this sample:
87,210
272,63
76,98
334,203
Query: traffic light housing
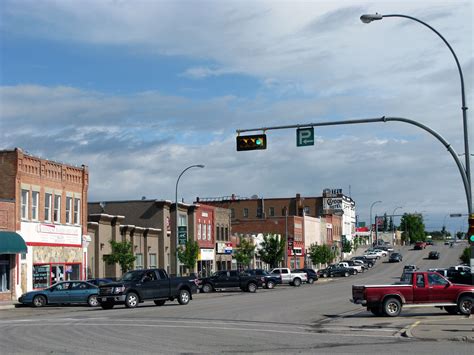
470,233
253,142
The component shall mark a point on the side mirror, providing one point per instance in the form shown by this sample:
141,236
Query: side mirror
447,285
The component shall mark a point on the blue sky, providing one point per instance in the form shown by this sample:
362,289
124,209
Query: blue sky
139,90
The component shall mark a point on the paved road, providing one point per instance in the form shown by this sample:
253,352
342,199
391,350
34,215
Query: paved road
308,319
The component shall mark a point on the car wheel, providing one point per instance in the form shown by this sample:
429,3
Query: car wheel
331,275
371,265
131,300
311,281
39,301
252,287
92,301
325,275
465,305
392,307
297,282
270,285
346,274
452,309
159,302
354,272
107,305
184,297
206,288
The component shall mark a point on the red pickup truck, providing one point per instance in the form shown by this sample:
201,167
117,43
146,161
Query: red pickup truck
416,289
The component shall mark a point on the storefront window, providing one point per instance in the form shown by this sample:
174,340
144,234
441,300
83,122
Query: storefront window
45,275
4,273
41,276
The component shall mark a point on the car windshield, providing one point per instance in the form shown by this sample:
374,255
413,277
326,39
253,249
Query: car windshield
132,276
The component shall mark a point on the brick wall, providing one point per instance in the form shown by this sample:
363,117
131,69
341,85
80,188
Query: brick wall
7,215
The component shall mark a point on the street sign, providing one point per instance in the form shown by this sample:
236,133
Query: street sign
304,137
182,235
455,215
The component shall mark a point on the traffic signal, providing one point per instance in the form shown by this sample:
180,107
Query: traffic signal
470,233
253,142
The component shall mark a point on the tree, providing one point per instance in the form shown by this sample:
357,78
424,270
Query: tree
272,250
346,247
188,254
391,227
321,254
245,252
465,257
122,253
385,222
412,227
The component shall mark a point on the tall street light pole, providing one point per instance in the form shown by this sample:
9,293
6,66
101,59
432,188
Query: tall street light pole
393,223
367,18
371,206
176,212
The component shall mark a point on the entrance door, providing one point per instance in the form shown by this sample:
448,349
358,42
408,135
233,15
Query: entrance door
57,273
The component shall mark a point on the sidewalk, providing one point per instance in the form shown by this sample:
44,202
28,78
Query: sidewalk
8,304
460,328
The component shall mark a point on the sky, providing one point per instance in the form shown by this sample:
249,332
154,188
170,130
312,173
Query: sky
140,90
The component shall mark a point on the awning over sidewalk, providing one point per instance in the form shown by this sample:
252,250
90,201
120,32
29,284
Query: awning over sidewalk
12,243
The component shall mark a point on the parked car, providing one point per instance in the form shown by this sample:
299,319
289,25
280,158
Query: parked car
372,255
424,288
433,254
429,242
269,280
225,279
369,262
138,286
354,268
395,258
358,262
311,275
334,270
381,252
288,277
408,268
99,281
441,271
419,245
66,292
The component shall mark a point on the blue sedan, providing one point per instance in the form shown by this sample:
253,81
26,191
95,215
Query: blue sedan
63,292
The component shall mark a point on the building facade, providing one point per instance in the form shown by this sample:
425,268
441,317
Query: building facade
50,215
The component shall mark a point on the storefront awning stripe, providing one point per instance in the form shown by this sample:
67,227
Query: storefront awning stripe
11,243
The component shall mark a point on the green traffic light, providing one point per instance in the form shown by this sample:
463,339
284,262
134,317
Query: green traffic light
471,238
258,141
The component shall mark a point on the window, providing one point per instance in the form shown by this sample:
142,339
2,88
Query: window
246,212
68,209
436,280
306,210
4,273
34,205
153,260
420,280
226,234
57,209
271,211
24,204
232,213
77,211
259,212
199,231
139,261
47,207
208,232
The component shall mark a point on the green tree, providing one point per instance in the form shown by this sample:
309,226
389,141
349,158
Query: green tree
272,250
122,254
347,247
245,252
385,222
321,254
465,257
188,254
390,224
412,227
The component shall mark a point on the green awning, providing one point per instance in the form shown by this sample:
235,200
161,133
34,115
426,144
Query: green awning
12,243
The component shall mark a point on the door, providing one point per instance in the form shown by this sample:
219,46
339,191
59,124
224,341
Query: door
421,292
234,279
439,289
57,273
149,285
285,276
220,279
162,285
79,292
59,293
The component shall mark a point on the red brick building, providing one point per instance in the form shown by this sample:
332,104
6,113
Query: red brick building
50,201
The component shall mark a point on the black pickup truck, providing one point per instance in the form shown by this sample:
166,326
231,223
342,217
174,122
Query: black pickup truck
150,284
230,279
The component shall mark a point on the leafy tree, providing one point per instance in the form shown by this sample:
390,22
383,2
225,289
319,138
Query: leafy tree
465,257
347,247
412,227
188,254
122,253
272,250
390,224
385,222
460,235
321,254
245,252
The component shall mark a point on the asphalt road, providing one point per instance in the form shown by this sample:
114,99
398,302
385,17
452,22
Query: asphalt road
310,319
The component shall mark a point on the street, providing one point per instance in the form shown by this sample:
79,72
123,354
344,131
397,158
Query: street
310,319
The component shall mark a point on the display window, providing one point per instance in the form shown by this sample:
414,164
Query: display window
45,275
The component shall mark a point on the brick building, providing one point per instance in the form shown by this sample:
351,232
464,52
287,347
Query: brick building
50,214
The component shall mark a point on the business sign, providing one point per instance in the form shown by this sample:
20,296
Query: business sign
332,203
224,247
206,254
304,137
228,248
44,233
182,235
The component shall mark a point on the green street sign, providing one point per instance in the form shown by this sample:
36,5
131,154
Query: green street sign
304,137
182,235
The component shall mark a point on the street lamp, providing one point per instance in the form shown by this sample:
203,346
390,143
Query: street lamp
393,224
176,212
372,205
367,18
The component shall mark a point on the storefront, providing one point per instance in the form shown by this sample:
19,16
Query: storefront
205,262
11,246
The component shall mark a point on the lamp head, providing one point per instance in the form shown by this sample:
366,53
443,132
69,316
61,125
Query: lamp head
200,166
368,18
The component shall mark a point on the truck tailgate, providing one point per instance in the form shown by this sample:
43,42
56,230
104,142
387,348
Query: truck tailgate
358,293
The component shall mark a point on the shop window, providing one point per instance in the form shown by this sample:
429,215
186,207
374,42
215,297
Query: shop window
77,211
57,209
139,261
24,204
68,209
4,273
153,260
34,205
47,206
73,272
41,276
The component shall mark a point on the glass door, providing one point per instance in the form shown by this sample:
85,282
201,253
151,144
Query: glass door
57,273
